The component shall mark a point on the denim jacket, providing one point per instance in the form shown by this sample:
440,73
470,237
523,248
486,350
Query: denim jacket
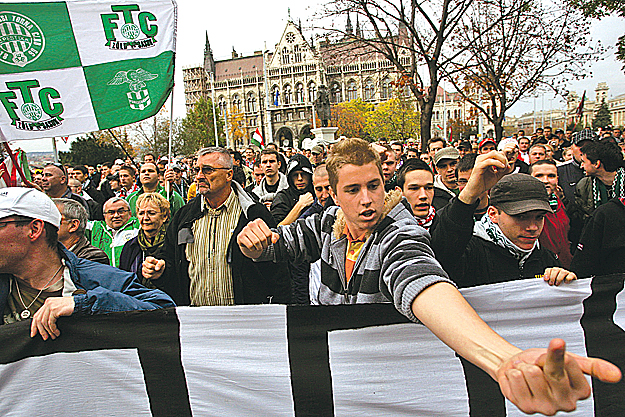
101,288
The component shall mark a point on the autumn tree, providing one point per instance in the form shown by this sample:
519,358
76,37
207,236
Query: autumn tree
350,117
197,128
237,132
394,119
534,45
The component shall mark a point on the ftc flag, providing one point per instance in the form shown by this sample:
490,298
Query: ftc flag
82,65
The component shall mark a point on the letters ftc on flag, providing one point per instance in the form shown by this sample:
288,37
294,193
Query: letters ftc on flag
76,66
275,360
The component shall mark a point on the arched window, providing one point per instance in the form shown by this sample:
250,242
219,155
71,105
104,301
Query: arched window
236,102
299,93
285,56
287,97
275,95
386,88
352,91
369,89
221,103
336,95
251,102
297,52
312,92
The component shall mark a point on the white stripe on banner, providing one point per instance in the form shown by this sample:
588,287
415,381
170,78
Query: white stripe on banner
75,384
236,360
529,314
619,314
399,370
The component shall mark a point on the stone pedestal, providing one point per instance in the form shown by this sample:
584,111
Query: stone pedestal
325,135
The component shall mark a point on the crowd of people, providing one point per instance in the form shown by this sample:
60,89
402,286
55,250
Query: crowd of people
354,222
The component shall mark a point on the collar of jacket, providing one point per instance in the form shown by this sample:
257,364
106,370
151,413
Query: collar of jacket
391,199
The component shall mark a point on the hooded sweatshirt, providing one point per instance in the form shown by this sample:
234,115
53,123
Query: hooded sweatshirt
286,199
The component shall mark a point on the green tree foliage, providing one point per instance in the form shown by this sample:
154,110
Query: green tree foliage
197,130
91,150
603,118
601,8
395,119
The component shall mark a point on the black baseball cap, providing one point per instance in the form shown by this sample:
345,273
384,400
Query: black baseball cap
520,193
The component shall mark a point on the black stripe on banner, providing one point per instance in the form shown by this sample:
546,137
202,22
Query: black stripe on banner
155,335
485,397
606,340
307,331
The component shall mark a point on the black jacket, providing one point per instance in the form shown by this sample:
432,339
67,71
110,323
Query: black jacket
601,249
470,260
285,200
253,282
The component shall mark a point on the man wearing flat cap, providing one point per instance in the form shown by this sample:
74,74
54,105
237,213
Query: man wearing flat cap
446,180
42,280
503,245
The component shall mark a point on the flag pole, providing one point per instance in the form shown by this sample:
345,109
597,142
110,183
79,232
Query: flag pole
171,135
56,153
214,115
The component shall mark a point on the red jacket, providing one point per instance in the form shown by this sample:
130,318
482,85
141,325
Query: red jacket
555,235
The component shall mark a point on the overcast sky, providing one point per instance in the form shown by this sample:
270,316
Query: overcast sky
248,25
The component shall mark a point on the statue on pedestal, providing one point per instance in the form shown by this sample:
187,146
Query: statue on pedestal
322,105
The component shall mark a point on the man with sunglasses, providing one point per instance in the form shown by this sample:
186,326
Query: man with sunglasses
201,263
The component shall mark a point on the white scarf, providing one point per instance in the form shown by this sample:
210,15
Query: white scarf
491,232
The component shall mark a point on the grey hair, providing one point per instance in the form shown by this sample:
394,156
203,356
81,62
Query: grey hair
224,155
115,200
73,210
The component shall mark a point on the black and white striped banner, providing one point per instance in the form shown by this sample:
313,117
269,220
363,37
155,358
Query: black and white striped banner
361,360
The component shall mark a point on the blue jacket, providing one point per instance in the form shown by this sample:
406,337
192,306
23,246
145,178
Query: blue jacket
107,289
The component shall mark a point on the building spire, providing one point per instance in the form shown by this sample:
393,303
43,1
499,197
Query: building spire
209,61
358,32
348,27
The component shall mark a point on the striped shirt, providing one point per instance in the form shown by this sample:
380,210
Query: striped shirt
209,271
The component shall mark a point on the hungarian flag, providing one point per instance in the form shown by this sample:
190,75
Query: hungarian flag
580,109
74,66
257,139
9,176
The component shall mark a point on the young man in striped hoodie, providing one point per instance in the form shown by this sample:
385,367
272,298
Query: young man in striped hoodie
372,250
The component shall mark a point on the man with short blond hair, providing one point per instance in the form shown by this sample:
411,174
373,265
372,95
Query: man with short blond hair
374,251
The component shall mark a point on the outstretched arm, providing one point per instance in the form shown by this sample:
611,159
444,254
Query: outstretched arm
535,380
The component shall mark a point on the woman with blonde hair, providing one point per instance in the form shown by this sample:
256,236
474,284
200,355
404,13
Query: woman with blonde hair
153,215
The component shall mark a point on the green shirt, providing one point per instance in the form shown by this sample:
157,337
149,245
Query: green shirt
175,200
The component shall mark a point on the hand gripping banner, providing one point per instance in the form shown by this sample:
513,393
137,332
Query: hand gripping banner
68,67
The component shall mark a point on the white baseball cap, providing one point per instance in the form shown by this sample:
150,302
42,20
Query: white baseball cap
28,202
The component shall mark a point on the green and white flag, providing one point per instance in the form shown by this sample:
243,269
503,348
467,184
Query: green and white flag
68,67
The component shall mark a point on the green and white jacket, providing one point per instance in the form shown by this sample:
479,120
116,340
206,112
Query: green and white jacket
109,240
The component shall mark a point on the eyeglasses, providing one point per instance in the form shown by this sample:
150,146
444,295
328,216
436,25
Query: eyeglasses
207,169
120,211
3,224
